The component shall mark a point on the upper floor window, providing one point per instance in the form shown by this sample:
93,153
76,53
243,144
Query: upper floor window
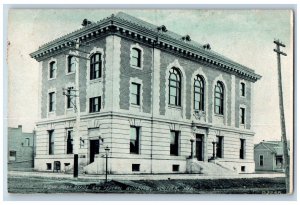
199,93
243,89
135,93
95,104
174,143
134,139
27,142
52,69
135,59
51,101
71,64
69,141
219,98
70,97
174,87
95,66
242,115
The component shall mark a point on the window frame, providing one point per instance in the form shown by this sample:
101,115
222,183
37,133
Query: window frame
175,71
242,115
70,141
52,69
242,148
135,149
69,64
92,104
135,96
219,109
200,103
51,101
93,63
137,58
70,97
261,160
242,89
50,142
174,147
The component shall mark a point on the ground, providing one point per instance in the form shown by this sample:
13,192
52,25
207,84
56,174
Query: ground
33,184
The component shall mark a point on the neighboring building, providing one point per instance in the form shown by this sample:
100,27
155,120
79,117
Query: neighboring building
268,156
20,149
144,93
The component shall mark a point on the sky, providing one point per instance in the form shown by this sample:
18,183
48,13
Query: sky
245,36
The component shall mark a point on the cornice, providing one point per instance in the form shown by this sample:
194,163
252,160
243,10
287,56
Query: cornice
114,25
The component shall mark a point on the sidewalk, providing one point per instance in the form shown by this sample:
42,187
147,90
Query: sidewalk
88,177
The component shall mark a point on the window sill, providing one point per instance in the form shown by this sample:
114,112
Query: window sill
51,78
95,80
70,73
135,106
175,107
219,115
135,67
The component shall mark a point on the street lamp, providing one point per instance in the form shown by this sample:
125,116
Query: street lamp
192,146
107,152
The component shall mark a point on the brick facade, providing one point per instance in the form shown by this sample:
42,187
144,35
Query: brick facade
154,116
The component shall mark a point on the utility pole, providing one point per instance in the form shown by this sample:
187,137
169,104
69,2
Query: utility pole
282,120
76,139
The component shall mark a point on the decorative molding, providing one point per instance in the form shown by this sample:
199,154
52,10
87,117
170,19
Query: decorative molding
175,127
69,124
93,123
135,122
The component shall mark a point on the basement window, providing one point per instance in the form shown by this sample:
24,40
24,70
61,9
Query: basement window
49,166
175,168
135,167
243,168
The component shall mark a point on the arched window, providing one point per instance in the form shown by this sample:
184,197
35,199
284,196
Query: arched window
71,64
135,57
95,66
199,93
174,87
219,98
52,69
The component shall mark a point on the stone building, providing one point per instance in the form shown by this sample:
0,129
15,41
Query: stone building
149,94
20,149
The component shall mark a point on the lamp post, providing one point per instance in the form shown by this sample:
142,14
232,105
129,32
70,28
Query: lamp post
107,152
192,146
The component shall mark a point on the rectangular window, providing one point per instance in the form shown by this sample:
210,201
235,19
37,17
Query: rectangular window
70,97
219,147
95,104
12,155
52,69
174,143
51,142
243,168
242,115
69,141
175,168
49,166
71,64
27,142
242,148
135,167
242,89
51,101
95,66
135,93
261,160
134,139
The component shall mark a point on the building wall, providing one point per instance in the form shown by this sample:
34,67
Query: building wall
269,159
24,152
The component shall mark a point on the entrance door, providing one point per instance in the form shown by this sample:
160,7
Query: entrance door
94,149
199,147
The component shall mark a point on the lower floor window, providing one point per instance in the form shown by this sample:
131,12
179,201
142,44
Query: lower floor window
12,155
49,166
135,167
174,143
175,168
261,160
219,152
